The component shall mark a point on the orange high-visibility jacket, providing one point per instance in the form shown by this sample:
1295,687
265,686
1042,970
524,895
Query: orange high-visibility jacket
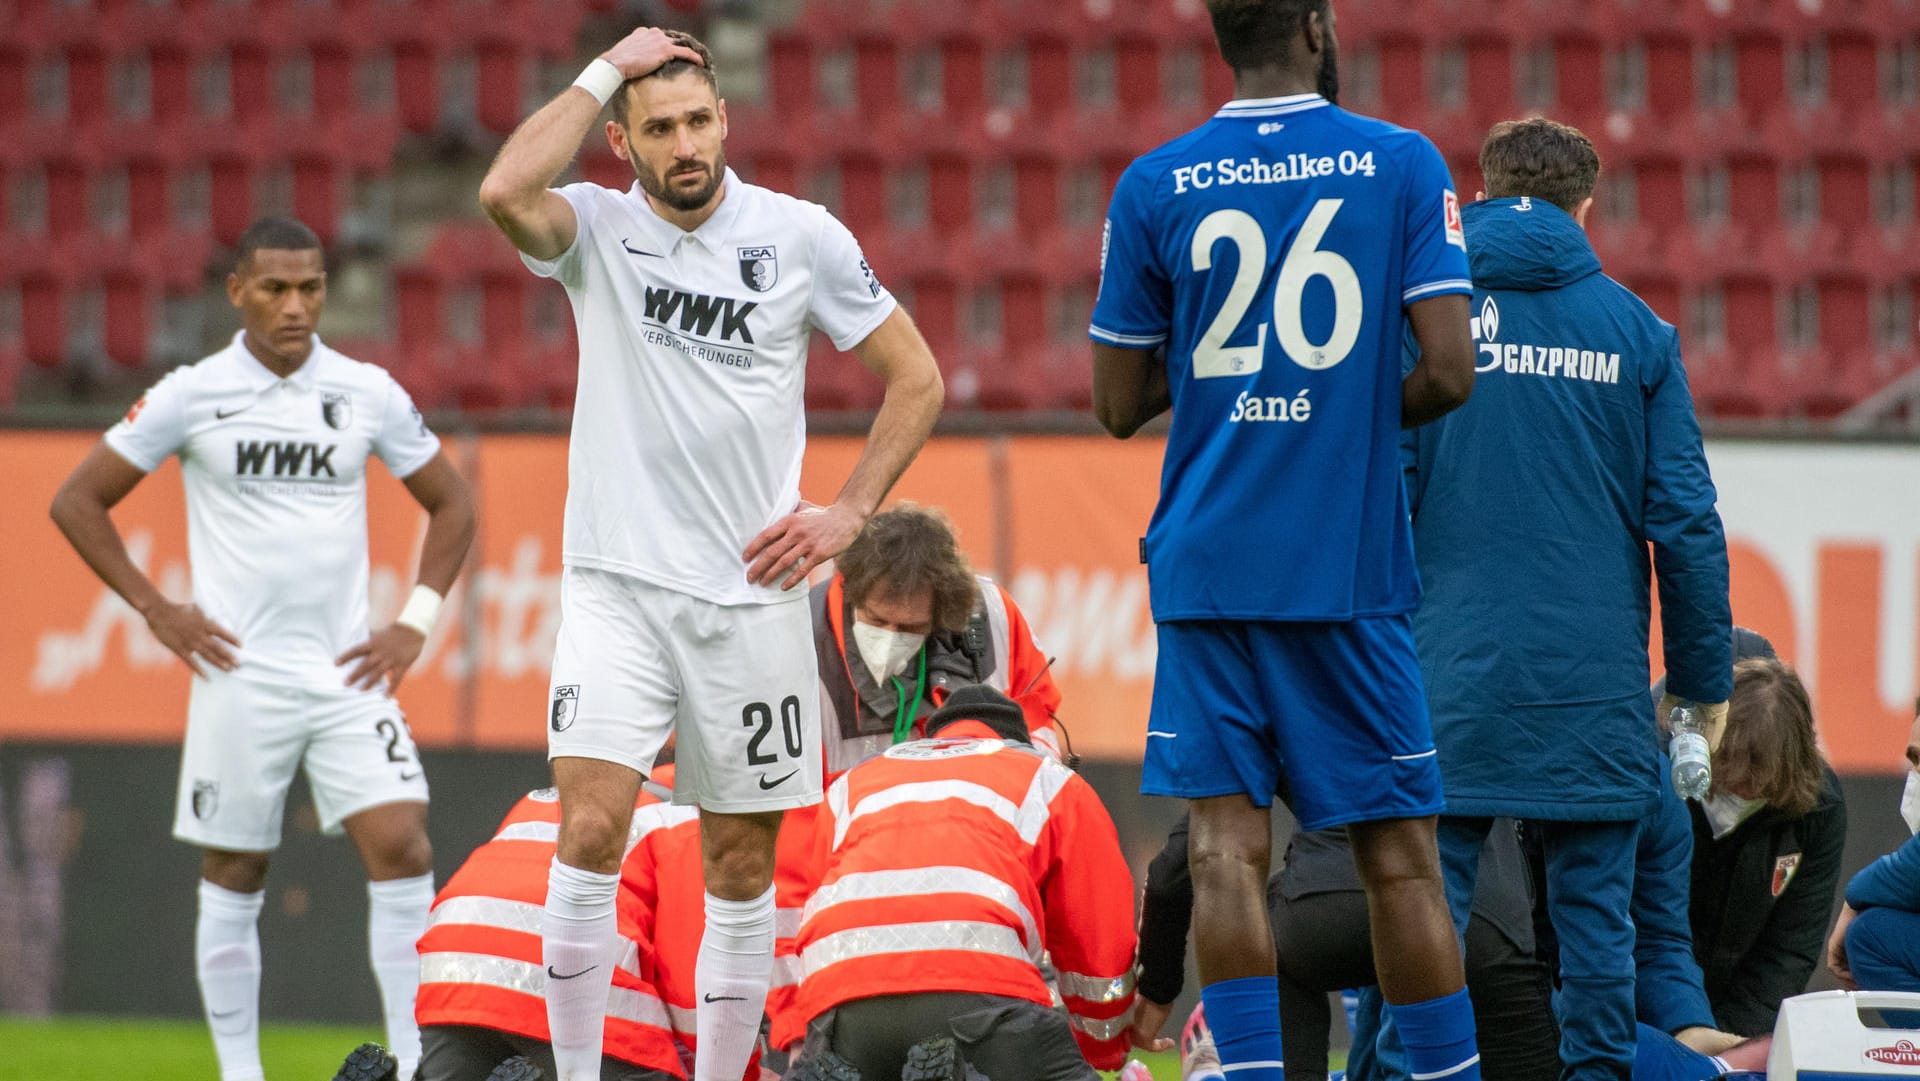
997,649
953,864
793,878
480,958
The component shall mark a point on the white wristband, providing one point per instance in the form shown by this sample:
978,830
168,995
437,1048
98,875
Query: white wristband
601,79
421,610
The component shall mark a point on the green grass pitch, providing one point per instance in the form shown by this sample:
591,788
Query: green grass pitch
107,1049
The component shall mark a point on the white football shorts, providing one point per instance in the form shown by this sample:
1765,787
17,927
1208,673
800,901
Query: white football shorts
737,683
245,739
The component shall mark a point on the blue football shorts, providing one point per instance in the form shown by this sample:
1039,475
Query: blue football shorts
1338,707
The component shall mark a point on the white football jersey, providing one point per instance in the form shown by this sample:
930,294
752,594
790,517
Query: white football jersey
689,423
275,474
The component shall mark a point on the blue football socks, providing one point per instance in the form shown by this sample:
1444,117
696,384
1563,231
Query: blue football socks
1244,1015
1438,1037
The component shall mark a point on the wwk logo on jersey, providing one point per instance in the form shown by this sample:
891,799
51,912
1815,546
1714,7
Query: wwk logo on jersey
251,458
698,312
759,268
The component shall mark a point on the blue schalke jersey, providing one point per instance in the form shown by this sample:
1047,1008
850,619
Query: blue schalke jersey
1271,251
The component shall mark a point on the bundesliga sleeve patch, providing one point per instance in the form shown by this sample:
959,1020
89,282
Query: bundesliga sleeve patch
137,407
1456,233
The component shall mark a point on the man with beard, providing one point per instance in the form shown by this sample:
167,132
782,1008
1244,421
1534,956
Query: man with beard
685,538
1258,276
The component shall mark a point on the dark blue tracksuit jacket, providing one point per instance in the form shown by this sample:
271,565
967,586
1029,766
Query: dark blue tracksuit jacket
1533,508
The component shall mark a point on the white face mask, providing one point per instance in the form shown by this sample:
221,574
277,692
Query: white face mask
886,652
1726,811
1910,802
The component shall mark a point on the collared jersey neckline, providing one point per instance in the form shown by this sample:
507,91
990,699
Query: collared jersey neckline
712,233
1292,103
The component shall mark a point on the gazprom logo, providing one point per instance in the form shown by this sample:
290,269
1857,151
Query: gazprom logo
1486,327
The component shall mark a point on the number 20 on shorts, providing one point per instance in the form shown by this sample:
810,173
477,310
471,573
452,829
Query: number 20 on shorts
1304,261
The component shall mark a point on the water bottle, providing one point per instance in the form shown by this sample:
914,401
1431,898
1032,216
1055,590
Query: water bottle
1692,768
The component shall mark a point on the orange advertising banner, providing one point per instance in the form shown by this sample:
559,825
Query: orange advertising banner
1825,551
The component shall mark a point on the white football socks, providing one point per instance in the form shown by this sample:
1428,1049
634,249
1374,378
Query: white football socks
396,918
580,935
226,952
731,977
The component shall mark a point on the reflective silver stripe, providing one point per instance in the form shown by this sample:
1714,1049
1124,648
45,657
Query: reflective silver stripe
1101,1028
837,807
488,912
993,938
1027,819
919,881
786,921
1095,988
787,970
995,605
522,916
1047,782
1046,741
683,1019
527,978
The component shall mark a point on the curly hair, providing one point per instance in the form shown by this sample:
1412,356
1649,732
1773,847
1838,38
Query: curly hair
905,550
1769,751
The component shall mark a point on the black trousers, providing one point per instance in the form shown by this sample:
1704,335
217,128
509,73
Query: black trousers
469,1053
1323,943
1002,1039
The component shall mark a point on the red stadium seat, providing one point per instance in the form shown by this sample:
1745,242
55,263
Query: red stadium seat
502,77
13,84
416,77
1669,74
129,311
231,180
43,320
1579,74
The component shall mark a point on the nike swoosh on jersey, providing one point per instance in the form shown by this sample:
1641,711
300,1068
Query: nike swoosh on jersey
766,785
1162,735
222,414
637,251
409,776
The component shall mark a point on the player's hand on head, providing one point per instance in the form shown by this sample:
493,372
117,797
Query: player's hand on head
186,630
1149,1018
784,552
644,50
387,654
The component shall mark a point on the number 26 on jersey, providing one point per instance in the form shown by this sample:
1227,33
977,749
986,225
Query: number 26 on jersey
1304,261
